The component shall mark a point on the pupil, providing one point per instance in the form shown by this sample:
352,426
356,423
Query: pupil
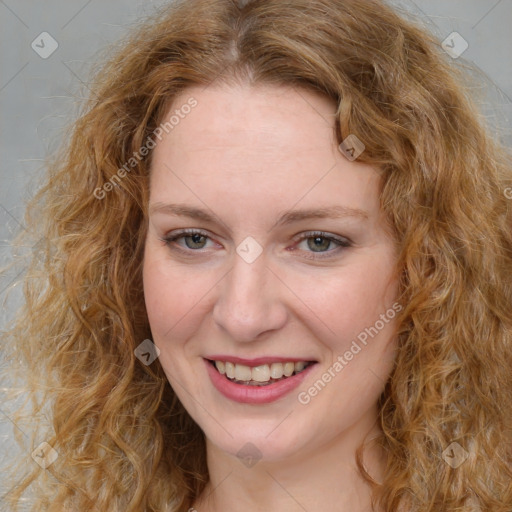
195,239
318,244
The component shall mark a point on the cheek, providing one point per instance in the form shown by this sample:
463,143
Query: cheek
166,293
359,309
177,302
169,310
348,300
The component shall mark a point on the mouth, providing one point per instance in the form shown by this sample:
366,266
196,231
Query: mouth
259,375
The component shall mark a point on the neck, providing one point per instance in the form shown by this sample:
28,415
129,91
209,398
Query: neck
323,478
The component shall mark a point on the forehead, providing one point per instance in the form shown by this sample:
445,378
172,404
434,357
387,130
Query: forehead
266,142
278,118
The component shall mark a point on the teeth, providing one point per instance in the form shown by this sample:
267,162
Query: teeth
242,372
262,373
288,369
276,370
300,366
230,370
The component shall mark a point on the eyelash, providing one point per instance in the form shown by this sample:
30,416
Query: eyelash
343,243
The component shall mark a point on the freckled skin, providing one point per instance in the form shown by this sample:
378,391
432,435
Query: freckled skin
250,154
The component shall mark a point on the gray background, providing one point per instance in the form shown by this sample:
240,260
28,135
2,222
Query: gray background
38,97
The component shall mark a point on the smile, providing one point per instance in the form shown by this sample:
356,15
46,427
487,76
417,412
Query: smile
261,375
262,383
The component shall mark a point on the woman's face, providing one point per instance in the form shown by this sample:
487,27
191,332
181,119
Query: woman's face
291,265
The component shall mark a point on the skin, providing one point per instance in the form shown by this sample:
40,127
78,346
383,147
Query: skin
248,154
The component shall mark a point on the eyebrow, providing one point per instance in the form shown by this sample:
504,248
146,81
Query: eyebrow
332,212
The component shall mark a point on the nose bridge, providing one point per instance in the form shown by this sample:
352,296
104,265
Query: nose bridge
248,302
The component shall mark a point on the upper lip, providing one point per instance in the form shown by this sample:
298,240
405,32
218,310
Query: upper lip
257,360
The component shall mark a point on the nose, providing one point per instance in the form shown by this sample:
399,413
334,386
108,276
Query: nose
250,301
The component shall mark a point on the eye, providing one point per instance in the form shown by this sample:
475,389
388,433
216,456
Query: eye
194,239
317,242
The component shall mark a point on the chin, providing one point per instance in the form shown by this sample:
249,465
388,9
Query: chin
264,440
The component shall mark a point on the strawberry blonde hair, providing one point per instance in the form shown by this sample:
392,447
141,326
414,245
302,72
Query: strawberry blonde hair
124,441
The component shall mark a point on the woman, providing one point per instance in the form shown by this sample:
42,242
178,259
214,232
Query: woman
277,274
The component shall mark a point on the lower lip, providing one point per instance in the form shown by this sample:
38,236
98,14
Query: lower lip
255,394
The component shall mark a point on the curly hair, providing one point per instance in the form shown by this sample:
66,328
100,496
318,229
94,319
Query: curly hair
124,441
